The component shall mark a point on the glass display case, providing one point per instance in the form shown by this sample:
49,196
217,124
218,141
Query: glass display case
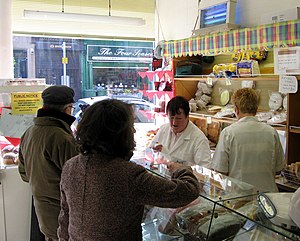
226,209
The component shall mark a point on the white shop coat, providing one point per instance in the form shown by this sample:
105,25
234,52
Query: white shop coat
191,147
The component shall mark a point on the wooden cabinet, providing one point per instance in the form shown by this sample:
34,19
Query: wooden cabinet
264,85
187,87
293,127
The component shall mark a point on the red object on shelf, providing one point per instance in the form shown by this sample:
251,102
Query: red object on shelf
6,107
150,93
166,75
156,63
4,142
13,140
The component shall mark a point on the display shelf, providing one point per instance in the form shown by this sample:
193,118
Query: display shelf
226,209
265,77
294,129
195,115
228,120
284,185
264,85
251,212
22,88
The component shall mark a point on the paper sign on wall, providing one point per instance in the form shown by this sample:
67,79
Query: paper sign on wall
287,60
26,102
288,84
14,125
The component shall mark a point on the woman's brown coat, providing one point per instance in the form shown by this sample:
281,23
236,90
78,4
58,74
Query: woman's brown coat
104,200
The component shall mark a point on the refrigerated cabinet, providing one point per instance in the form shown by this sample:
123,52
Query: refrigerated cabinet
226,209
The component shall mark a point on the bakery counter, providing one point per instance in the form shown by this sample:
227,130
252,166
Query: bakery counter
285,185
226,209
15,205
214,186
5,166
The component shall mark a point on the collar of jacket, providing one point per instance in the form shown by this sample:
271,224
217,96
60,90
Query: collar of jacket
56,114
248,118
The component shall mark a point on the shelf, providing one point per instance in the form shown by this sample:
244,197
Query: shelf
279,127
265,83
22,88
230,120
294,129
206,115
204,77
284,185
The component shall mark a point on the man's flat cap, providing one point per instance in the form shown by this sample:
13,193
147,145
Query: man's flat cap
58,95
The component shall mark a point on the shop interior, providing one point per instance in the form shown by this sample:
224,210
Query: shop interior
201,50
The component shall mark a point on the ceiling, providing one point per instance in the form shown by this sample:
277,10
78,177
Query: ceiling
146,6
124,8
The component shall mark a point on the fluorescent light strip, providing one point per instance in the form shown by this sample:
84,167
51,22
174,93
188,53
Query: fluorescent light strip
79,17
215,16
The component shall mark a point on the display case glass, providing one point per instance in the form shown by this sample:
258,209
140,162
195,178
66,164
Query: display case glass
226,209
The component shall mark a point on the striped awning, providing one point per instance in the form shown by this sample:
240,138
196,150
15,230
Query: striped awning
263,37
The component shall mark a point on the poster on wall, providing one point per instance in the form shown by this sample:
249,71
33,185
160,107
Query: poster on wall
288,84
14,125
26,102
287,61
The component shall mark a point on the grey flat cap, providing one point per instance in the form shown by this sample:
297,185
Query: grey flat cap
58,95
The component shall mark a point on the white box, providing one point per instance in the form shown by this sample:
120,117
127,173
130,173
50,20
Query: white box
284,15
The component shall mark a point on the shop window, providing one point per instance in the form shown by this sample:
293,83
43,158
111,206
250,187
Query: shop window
20,64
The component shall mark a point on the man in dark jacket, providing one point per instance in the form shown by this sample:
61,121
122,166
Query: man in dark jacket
44,149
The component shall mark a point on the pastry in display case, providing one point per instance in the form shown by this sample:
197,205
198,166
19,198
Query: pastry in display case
9,155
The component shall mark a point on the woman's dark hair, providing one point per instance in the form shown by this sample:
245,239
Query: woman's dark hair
106,128
178,102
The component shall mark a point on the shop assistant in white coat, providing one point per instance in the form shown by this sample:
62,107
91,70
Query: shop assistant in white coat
180,140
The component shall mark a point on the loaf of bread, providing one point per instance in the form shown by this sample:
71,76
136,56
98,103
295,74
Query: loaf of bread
223,226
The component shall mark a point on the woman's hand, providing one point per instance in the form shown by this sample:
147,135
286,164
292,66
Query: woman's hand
157,148
173,166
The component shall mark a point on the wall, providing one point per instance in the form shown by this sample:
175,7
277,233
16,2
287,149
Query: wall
178,17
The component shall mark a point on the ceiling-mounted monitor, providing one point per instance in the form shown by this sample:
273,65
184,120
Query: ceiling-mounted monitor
217,17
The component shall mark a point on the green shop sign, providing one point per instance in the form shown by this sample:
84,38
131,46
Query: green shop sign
99,53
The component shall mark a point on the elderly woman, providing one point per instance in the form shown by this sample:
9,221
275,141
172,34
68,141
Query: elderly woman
103,194
249,150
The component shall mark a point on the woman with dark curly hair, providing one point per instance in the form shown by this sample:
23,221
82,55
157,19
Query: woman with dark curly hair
103,194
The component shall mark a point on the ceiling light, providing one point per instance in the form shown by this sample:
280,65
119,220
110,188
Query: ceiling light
79,17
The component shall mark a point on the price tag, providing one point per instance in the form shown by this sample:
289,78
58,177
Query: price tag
288,84
227,81
208,120
209,81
